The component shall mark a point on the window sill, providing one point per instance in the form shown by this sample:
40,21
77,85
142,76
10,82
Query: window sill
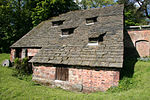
64,35
89,24
93,44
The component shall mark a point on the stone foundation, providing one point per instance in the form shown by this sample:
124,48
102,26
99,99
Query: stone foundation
85,80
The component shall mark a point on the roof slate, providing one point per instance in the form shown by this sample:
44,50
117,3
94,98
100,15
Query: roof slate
73,49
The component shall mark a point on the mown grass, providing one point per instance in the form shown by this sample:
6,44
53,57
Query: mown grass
3,57
135,88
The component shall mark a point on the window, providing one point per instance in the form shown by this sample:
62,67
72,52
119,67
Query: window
18,52
90,21
57,23
93,41
26,52
66,32
96,40
62,73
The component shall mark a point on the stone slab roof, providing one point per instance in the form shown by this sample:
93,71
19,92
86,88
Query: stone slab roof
105,56
74,49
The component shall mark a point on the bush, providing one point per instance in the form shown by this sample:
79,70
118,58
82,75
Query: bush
22,67
124,85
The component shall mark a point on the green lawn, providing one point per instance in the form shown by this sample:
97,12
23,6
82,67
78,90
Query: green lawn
3,57
135,88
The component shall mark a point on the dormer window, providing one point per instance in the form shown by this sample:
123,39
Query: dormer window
57,23
68,31
90,21
93,41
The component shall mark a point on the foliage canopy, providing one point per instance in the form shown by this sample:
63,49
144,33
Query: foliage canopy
17,17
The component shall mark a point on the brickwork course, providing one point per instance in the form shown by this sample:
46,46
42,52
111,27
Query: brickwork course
64,44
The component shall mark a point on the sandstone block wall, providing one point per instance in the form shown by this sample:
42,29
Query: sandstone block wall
86,80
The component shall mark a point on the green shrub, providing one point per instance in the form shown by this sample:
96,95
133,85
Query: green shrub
124,85
21,68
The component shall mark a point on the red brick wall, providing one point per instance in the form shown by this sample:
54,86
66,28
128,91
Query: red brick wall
140,40
44,72
12,54
93,80
85,80
30,52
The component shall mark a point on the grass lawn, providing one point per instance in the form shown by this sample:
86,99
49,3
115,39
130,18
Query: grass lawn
135,88
3,57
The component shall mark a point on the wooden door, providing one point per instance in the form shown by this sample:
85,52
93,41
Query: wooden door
62,73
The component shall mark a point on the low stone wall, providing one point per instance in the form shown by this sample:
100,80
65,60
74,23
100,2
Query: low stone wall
85,80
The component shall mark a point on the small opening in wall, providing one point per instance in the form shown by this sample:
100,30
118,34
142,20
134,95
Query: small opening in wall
93,41
67,32
90,21
57,23
96,40
26,52
18,53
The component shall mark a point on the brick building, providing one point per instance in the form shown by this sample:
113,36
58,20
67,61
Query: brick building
139,39
79,50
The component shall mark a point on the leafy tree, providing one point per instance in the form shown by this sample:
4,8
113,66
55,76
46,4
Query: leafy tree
15,21
144,7
18,16
48,8
133,14
85,4
6,31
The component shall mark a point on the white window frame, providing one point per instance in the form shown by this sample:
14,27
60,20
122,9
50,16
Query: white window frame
64,35
89,23
93,44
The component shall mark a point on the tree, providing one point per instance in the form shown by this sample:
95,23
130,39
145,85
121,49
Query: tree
15,21
5,24
144,7
17,17
86,4
132,16
49,8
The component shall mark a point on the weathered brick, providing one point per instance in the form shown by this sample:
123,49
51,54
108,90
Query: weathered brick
139,40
